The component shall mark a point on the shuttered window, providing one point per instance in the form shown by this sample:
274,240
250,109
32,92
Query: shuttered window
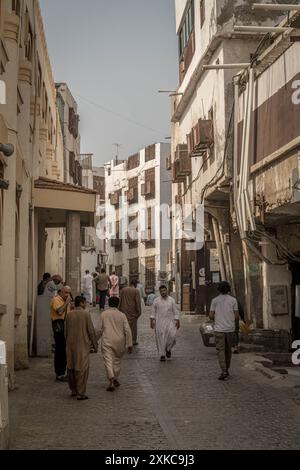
150,275
133,269
150,153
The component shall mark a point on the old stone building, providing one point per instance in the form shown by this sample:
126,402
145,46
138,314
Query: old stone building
34,195
266,166
136,190
202,141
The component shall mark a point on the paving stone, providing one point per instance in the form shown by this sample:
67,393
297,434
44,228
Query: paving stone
179,404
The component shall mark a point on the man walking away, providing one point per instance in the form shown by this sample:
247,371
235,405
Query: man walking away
80,341
224,312
103,284
140,288
87,287
60,308
116,339
165,321
130,304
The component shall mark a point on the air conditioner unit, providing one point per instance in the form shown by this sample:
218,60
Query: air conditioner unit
182,66
203,133
190,142
162,275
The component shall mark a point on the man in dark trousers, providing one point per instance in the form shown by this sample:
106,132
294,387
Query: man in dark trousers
103,285
224,312
60,308
130,304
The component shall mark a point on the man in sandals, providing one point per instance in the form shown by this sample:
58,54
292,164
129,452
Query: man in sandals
165,321
116,339
224,312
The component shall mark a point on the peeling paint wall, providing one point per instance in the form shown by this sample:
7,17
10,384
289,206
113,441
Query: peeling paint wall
240,11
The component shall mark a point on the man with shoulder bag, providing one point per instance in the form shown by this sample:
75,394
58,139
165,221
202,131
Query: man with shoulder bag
60,307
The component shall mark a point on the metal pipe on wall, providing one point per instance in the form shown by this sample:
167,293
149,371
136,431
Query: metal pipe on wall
219,247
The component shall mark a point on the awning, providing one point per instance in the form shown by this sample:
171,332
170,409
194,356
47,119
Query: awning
53,199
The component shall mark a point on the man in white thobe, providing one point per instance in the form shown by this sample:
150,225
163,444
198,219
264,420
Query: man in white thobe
87,287
165,321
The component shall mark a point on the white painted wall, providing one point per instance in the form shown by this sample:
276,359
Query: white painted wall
118,180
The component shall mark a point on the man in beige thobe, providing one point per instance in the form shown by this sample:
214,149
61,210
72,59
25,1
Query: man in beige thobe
80,341
116,339
130,304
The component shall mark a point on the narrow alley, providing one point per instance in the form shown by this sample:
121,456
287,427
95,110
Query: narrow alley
175,405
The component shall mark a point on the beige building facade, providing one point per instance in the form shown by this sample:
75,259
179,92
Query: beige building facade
34,196
202,142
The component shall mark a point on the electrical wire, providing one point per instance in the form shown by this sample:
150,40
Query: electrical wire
119,115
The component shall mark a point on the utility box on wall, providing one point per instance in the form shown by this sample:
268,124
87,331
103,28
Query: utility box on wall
279,300
4,421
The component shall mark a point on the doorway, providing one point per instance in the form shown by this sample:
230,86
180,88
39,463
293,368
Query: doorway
295,300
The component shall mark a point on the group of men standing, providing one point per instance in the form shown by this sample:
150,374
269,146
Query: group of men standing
98,286
76,337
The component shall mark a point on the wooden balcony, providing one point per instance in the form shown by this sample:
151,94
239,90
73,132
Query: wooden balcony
201,138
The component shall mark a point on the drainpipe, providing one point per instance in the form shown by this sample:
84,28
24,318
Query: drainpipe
240,190
219,247
235,157
246,168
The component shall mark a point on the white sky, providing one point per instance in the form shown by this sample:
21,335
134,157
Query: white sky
115,55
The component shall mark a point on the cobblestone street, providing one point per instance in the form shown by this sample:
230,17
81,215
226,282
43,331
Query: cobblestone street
175,405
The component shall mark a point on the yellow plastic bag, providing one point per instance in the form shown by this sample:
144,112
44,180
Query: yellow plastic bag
245,328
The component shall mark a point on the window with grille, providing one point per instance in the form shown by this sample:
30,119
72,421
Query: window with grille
150,243
133,269
186,29
149,187
133,161
119,270
150,153
150,275
133,190
72,164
